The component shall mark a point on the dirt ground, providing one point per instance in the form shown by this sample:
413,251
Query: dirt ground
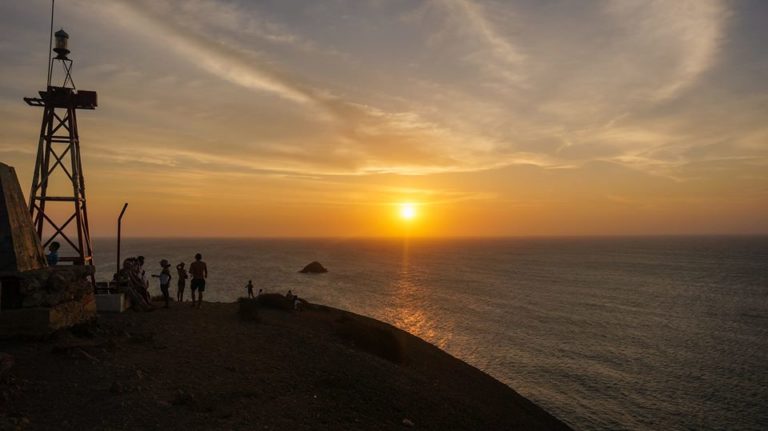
211,368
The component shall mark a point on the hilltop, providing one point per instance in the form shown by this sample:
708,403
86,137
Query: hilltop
213,368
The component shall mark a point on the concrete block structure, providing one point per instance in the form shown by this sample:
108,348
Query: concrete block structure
20,248
35,299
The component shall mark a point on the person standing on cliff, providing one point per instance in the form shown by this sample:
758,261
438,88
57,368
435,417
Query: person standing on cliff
165,281
249,286
182,283
199,271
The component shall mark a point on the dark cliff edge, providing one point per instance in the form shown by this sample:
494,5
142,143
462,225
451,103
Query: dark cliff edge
251,366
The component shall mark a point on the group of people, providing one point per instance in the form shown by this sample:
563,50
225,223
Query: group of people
132,278
292,299
133,281
199,272
249,286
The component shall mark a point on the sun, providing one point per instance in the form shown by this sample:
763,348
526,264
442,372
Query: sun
407,211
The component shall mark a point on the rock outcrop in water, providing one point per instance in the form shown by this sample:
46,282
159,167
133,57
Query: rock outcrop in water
314,268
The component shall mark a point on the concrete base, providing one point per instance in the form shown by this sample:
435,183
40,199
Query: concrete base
111,303
44,320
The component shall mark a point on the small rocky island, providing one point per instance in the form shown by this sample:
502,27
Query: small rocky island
314,268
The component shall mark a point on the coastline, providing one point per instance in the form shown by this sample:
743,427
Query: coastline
213,368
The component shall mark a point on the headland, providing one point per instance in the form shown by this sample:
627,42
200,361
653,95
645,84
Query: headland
250,366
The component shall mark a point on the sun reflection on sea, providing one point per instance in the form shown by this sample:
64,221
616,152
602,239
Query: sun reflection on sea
410,310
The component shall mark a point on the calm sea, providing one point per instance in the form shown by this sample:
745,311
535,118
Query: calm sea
606,333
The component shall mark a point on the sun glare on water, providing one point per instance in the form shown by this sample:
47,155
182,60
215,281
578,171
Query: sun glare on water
407,211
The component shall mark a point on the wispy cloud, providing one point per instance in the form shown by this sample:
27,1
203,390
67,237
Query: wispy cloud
224,61
552,86
685,36
470,18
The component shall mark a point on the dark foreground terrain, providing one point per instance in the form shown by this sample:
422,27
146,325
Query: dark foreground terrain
264,369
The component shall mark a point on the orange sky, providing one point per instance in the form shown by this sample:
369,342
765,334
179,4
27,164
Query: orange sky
223,118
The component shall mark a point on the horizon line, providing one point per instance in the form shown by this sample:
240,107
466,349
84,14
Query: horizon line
382,237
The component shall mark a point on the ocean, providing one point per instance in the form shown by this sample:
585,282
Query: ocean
642,333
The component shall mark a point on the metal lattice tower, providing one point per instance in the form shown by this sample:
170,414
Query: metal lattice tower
59,152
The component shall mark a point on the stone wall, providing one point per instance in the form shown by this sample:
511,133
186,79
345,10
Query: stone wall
47,299
35,298
55,285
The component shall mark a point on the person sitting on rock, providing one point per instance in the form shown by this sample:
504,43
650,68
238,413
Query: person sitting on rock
140,278
143,275
249,286
53,254
129,283
297,303
260,292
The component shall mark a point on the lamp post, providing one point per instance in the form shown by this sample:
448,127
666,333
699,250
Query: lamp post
119,235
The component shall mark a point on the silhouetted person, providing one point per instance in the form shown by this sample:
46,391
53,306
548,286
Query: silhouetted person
142,273
182,283
138,279
260,291
129,282
296,303
53,254
199,271
165,280
249,286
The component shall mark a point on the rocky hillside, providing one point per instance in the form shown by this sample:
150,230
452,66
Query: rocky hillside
265,368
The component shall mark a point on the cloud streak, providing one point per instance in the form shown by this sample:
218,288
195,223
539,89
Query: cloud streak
474,21
539,87
217,58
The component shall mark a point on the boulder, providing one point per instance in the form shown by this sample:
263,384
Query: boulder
314,268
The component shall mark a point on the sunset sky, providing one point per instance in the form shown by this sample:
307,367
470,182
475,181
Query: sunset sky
320,118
